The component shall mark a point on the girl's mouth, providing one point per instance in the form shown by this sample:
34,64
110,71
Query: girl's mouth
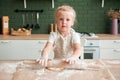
63,26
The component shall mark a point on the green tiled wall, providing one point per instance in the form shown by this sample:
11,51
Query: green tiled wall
91,17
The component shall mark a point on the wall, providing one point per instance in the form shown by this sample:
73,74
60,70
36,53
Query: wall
91,17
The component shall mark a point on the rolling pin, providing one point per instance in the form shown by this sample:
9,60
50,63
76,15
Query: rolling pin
30,62
59,65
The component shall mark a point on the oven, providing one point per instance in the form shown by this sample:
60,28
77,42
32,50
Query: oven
91,49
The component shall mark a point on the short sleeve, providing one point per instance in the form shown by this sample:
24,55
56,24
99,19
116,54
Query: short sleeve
52,37
76,38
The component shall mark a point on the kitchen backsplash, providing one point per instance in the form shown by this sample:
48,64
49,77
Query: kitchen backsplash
91,17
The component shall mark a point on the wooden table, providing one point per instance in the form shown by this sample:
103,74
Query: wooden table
82,70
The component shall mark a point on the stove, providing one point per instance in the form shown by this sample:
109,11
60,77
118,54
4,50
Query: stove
87,35
91,47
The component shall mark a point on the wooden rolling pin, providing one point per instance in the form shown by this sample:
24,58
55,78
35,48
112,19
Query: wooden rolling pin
59,65
30,62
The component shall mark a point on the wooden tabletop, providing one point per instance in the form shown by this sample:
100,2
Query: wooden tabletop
45,37
83,70
31,37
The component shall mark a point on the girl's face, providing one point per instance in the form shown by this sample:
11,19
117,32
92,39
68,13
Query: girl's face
64,21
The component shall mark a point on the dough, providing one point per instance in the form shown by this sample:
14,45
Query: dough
55,68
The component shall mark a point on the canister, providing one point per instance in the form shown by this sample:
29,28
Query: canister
115,26
5,25
51,27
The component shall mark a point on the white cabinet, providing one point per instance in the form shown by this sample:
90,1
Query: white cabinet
110,49
21,49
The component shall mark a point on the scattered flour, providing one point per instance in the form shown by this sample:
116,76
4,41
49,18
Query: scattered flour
113,62
40,71
66,73
8,67
38,78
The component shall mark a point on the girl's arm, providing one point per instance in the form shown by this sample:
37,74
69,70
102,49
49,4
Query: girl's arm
76,54
77,51
44,55
46,50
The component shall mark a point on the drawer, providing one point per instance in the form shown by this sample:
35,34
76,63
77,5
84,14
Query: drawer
110,44
92,43
110,54
21,49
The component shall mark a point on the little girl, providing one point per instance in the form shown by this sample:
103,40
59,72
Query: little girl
65,42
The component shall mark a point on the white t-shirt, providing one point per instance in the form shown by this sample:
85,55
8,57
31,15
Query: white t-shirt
63,46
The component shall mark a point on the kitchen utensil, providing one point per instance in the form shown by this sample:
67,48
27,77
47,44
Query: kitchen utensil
102,3
23,19
63,68
32,61
52,3
38,66
25,5
37,21
27,23
29,62
32,25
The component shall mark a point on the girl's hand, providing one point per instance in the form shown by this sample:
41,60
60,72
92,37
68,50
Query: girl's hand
43,61
70,60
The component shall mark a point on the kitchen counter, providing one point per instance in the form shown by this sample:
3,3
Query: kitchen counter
31,37
58,70
106,37
45,37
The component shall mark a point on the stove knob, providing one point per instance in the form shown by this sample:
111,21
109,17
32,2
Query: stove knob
91,43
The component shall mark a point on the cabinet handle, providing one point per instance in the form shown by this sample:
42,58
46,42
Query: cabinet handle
116,41
4,42
91,43
115,50
40,50
42,42
89,49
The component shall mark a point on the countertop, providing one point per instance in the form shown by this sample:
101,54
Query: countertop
31,37
87,69
45,37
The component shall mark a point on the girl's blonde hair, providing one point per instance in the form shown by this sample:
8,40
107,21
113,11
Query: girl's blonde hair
66,8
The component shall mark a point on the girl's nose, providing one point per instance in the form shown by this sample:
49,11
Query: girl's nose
64,21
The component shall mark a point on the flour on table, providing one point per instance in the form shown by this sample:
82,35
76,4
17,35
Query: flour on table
113,62
8,67
64,72
40,71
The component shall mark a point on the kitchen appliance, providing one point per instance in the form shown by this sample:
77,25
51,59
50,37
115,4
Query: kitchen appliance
87,35
92,49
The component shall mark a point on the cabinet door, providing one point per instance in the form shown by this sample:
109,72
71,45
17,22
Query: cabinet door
21,49
110,43
110,54
110,49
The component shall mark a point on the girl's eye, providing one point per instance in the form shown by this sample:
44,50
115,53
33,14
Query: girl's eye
68,19
61,19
